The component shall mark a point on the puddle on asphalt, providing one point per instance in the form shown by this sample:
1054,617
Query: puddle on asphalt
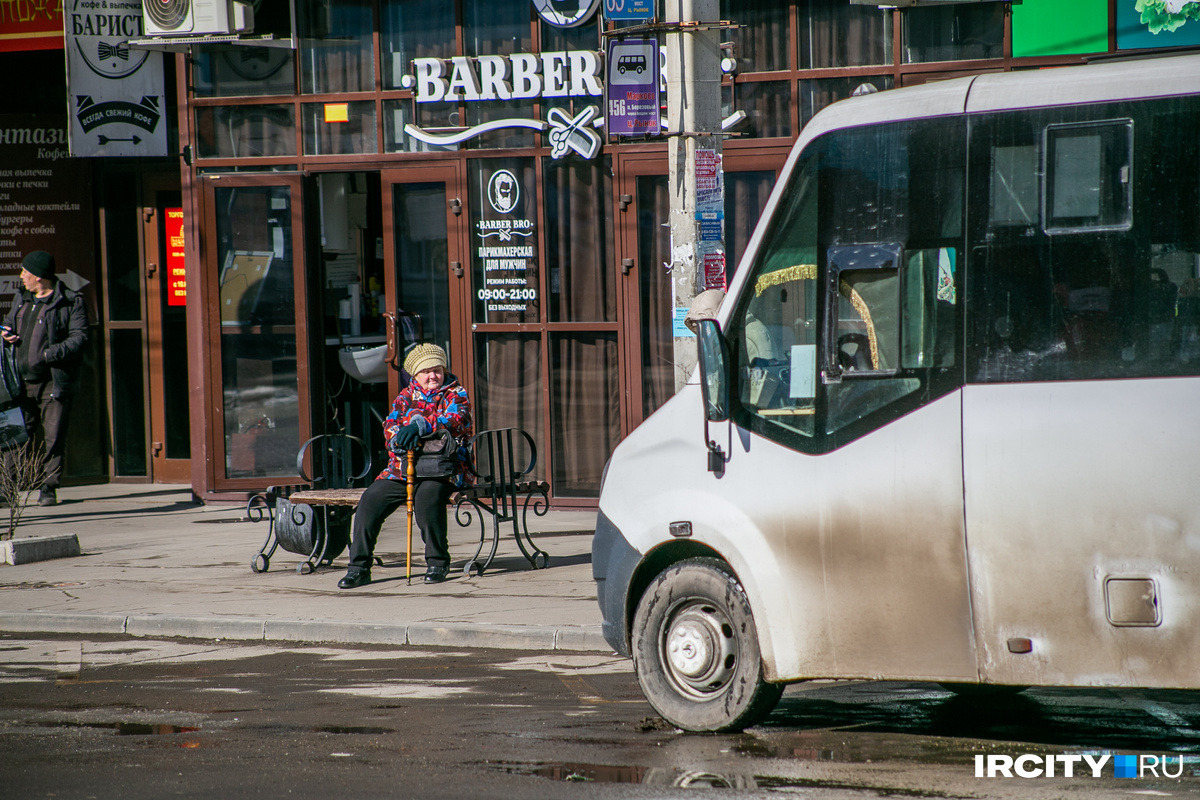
122,728
351,729
693,779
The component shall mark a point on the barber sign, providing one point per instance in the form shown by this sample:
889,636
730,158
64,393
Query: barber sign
566,13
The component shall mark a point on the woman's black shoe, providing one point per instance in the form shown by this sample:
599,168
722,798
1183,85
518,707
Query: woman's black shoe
435,574
353,580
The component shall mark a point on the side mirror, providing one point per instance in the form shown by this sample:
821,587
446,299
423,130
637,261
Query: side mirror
714,370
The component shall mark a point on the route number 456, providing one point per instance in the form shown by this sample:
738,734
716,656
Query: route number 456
616,108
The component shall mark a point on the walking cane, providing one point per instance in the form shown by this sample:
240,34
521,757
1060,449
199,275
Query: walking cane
411,475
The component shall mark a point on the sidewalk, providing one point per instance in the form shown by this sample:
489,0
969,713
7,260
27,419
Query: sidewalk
155,564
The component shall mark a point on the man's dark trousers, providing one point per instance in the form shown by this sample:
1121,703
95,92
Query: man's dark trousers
385,496
46,419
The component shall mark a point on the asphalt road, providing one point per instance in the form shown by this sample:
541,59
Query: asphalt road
131,719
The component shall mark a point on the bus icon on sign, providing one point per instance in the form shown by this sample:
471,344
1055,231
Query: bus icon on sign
637,63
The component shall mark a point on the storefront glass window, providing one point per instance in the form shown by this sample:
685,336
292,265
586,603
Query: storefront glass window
953,33
585,410
761,44
421,258
339,128
582,37
834,33
335,46
482,111
816,94
497,28
239,71
413,29
579,240
746,195
508,386
245,131
128,403
398,113
258,331
768,107
654,287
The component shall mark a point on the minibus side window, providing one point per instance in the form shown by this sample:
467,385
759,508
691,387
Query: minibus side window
775,336
1101,279
850,313
1089,178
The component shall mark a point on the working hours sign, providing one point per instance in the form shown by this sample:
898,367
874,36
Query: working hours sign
505,242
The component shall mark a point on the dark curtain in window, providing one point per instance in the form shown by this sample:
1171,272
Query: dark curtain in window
508,386
579,240
585,410
654,251
760,45
745,195
834,33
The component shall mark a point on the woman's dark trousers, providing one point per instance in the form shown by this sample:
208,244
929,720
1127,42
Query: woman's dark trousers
385,496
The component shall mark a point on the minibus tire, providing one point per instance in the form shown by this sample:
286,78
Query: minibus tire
699,607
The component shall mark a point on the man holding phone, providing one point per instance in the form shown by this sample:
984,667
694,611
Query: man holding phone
48,324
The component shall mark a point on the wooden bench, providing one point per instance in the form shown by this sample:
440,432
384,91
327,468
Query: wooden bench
497,492
332,462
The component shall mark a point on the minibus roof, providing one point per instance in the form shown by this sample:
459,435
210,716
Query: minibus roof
1116,79
1090,83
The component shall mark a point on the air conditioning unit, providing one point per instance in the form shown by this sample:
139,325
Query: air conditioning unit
196,17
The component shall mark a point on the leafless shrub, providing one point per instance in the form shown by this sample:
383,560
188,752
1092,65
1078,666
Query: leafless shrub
25,469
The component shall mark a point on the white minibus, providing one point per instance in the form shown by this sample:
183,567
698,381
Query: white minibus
946,422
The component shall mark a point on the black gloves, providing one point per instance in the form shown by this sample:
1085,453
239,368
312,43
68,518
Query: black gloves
407,437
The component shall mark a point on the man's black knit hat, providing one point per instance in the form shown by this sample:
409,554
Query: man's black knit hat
39,263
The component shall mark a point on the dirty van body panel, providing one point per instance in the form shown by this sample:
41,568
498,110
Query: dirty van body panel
1068,485
853,561
614,561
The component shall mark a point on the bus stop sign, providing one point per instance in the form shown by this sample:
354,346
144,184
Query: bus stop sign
632,85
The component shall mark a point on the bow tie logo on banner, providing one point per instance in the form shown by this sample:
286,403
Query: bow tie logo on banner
107,51
569,133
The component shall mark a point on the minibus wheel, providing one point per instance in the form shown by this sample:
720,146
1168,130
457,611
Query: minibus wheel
695,649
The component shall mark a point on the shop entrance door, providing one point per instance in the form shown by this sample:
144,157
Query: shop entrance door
167,347
255,292
425,274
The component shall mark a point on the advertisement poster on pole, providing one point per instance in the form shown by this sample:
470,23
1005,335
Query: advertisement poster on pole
710,216
633,88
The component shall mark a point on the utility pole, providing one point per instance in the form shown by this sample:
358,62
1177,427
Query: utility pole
696,188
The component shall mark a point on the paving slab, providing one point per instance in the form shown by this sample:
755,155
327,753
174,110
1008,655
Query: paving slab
152,562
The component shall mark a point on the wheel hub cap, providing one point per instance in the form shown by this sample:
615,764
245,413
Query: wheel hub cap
700,650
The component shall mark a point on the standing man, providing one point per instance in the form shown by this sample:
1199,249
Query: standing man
48,324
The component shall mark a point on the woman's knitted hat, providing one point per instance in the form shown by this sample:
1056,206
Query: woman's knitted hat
424,356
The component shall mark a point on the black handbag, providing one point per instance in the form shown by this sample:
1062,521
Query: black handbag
13,432
435,458
11,385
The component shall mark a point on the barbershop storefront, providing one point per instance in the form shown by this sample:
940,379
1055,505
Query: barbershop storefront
440,161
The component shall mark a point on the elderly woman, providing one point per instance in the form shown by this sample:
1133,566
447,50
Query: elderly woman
432,401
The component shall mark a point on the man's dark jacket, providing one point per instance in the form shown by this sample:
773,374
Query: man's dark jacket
66,333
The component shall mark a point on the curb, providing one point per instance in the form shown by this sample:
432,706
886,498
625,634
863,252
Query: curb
38,548
423,634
